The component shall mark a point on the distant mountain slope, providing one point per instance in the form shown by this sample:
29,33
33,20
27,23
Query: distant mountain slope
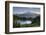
27,15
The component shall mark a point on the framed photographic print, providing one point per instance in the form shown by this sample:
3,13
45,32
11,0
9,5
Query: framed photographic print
24,17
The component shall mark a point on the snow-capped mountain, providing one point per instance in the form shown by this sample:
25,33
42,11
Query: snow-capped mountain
26,12
27,15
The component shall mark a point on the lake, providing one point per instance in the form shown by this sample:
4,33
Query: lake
23,22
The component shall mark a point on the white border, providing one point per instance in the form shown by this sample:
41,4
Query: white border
11,29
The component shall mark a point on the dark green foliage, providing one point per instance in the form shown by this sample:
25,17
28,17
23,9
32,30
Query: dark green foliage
35,22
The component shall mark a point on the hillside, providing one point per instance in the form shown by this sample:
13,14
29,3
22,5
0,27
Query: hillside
35,21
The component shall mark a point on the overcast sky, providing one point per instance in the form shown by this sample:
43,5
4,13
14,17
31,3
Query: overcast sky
22,10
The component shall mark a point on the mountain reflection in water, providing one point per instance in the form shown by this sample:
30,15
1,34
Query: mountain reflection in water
23,22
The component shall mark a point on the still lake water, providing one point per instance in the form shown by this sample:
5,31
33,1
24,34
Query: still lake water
23,22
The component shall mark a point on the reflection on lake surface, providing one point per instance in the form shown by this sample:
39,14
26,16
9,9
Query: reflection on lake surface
23,22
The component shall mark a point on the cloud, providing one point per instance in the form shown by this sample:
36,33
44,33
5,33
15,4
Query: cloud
22,10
